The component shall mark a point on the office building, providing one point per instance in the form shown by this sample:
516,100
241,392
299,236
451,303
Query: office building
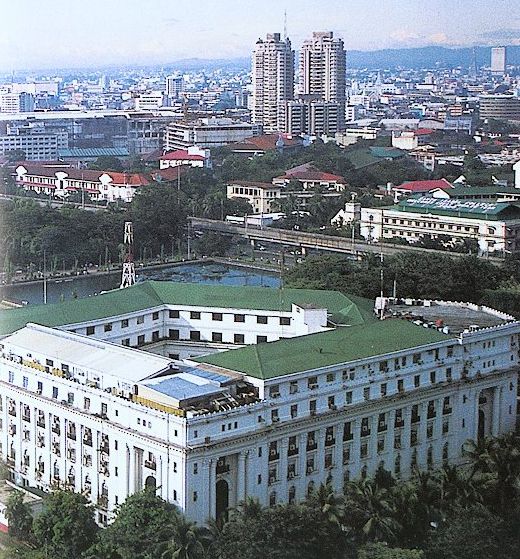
322,70
498,60
211,394
207,133
494,226
35,142
313,117
500,107
16,102
273,80
174,87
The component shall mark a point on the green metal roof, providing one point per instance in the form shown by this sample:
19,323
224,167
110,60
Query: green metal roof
93,152
476,191
155,293
342,345
461,208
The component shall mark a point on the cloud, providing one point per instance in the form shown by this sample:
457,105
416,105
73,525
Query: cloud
404,36
501,35
439,39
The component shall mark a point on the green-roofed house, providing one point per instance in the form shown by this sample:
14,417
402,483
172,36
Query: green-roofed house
493,225
210,394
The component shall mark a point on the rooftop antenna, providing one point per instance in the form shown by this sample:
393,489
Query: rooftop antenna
285,25
128,275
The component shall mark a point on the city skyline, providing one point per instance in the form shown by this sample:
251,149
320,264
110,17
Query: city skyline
66,35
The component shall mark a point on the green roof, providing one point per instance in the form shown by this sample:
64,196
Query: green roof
93,152
370,156
341,345
461,208
141,296
476,191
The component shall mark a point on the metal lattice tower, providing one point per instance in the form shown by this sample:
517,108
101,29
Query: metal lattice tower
128,275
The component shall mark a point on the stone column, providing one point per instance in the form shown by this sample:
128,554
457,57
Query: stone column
212,488
406,452
241,477
475,412
497,400
389,441
355,455
421,434
372,443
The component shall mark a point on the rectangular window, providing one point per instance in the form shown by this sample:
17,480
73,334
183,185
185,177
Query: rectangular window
216,337
55,392
25,382
155,315
261,339
173,314
239,318
125,342
155,336
91,330
86,403
140,339
293,387
124,323
285,321
400,385
312,383
417,381
294,410
107,327
432,377
261,319
173,334
195,336
312,406
348,397
331,403
366,393
331,377
383,389
140,320
195,315
216,316
238,338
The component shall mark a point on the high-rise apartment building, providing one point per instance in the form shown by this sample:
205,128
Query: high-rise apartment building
498,60
322,70
273,80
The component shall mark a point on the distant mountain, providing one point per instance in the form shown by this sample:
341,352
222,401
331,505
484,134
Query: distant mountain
426,57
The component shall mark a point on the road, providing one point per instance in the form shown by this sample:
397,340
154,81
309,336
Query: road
54,203
316,241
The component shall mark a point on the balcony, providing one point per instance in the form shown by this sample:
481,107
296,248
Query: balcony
273,455
150,464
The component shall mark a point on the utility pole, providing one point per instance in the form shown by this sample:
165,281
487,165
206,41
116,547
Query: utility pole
189,246
128,275
44,276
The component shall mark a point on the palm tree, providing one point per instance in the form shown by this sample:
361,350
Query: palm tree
372,510
186,542
480,454
250,508
332,506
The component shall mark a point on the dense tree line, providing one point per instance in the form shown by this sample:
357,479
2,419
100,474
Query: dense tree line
454,513
416,275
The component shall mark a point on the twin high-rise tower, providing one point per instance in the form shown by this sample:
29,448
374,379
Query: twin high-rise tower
319,106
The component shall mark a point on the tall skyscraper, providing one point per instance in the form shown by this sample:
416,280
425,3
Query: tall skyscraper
498,60
322,70
273,80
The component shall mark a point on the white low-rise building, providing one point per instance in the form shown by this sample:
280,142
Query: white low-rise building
60,180
495,226
316,389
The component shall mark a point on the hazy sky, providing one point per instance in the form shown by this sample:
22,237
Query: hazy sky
53,33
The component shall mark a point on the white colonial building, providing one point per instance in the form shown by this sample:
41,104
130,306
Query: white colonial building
495,226
61,180
215,393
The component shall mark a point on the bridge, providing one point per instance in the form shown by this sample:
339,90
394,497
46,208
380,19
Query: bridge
304,240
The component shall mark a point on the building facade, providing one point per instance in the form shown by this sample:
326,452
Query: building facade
498,60
207,133
316,389
494,226
323,71
500,107
273,80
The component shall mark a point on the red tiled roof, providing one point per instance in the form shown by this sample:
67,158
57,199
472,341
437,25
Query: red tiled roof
423,131
265,142
169,174
424,186
132,179
181,154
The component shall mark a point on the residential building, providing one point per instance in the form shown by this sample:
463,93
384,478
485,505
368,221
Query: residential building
261,144
494,226
35,142
322,71
149,100
410,188
101,403
207,133
311,178
61,180
273,80
310,116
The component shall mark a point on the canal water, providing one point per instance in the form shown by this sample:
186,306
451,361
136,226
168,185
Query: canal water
87,285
